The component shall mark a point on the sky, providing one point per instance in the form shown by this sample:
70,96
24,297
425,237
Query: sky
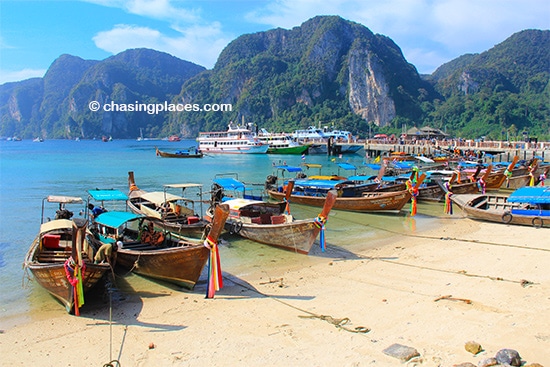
429,32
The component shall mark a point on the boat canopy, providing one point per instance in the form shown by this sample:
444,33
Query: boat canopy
317,184
56,224
159,197
229,183
116,219
361,178
182,185
424,159
107,195
375,167
347,166
64,199
237,204
289,168
403,165
531,195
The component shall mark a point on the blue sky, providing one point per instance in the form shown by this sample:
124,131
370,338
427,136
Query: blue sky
429,32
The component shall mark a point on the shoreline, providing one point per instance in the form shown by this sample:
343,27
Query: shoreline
293,313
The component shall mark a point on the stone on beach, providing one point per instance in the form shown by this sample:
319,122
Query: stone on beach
401,352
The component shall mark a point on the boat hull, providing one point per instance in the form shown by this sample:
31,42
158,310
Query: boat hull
297,236
47,268
369,202
496,208
177,265
300,149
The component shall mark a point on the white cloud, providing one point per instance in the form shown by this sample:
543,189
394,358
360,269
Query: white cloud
199,44
18,75
157,9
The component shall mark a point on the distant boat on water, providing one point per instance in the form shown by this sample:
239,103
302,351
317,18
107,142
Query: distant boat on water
238,139
281,143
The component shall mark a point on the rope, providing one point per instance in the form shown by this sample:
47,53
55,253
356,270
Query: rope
113,362
338,323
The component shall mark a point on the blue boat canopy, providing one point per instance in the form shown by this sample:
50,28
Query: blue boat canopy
316,184
115,219
347,166
531,195
373,166
229,183
289,168
108,195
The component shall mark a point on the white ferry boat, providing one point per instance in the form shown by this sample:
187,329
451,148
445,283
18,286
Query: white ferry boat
281,143
238,139
311,133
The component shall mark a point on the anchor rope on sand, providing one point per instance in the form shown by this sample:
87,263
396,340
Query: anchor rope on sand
339,323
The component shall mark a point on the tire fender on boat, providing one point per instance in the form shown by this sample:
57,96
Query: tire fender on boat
507,217
537,222
236,227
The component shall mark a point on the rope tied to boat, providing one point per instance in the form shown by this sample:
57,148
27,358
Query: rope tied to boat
215,279
320,222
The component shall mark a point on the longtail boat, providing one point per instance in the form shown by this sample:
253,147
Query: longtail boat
271,223
528,206
313,193
60,258
146,249
187,153
175,212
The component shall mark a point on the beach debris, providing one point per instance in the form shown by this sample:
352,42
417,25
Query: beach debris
339,323
473,347
465,364
151,345
525,283
487,362
279,280
508,357
451,298
401,352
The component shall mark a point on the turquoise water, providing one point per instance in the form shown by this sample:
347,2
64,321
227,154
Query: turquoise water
30,171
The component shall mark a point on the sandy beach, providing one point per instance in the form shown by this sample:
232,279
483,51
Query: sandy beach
431,291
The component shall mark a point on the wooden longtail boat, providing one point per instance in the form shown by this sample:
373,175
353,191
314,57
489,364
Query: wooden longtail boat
528,206
370,202
176,213
154,253
59,249
188,153
270,223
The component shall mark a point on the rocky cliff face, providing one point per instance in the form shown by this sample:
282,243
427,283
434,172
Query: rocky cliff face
369,92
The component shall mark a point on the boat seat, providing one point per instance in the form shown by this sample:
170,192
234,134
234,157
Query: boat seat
192,220
51,241
266,218
256,220
278,219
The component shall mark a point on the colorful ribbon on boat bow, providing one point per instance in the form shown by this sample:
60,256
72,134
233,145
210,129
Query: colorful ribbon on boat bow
508,175
215,280
287,207
542,178
320,223
413,190
481,185
75,279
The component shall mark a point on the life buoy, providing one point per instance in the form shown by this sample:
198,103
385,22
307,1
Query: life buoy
236,227
537,222
507,217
